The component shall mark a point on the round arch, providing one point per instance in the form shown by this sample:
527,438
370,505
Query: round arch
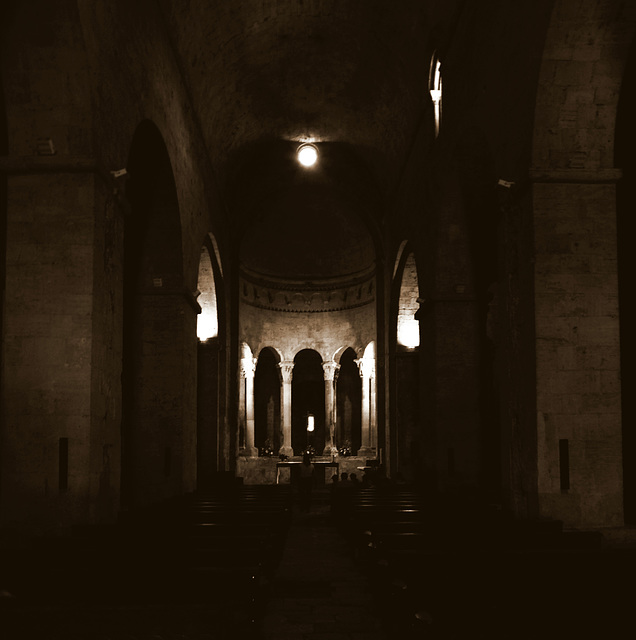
267,402
348,403
408,327
211,383
208,319
159,333
405,329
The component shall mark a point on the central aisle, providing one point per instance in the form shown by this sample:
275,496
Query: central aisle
317,592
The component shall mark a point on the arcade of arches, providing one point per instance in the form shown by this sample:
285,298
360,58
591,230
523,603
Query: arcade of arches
444,292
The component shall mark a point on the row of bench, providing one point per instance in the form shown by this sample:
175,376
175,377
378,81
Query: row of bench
465,570
212,553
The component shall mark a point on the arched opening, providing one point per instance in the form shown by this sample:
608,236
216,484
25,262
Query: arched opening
408,328
348,404
406,441
267,416
308,398
625,206
208,319
4,150
435,90
159,334
208,370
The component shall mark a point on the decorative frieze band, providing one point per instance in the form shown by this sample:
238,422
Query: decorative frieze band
305,298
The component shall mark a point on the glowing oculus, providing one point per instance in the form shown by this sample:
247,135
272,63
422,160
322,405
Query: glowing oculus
307,155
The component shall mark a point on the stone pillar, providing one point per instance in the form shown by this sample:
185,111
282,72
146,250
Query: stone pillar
286,371
577,347
366,368
242,415
207,411
331,371
248,367
163,423
61,365
373,422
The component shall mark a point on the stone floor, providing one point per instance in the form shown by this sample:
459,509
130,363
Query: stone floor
317,592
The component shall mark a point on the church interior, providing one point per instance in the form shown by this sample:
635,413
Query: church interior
390,236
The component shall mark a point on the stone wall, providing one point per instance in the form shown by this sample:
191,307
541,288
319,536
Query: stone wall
78,79
326,332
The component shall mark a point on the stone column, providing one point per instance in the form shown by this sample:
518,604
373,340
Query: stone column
248,367
286,371
331,372
366,368
242,417
373,422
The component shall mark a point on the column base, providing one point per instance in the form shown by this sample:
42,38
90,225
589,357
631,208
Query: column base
249,452
330,450
366,452
286,451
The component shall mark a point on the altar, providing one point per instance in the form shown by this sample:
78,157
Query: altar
318,464
271,470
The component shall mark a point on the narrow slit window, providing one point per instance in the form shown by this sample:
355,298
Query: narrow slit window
564,464
63,464
435,90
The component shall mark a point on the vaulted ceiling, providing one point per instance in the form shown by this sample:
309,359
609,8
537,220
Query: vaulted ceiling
350,75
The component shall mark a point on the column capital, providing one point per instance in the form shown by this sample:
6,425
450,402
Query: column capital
247,367
286,370
331,369
366,367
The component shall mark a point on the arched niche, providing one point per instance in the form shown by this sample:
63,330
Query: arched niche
267,398
348,403
308,397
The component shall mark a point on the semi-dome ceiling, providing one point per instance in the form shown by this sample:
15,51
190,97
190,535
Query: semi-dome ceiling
305,237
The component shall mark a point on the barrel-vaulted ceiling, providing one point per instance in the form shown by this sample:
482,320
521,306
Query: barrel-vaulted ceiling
267,74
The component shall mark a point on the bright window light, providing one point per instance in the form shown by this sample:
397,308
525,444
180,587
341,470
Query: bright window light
435,88
207,324
408,332
307,155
